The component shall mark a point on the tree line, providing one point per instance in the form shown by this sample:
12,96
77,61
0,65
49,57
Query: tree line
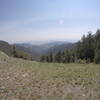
84,51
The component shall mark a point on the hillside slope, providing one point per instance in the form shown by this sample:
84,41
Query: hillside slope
6,47
28,80
11,50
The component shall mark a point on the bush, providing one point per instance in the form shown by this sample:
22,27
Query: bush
80,61
88,61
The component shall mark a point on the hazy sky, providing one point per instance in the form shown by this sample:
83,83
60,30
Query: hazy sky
29,20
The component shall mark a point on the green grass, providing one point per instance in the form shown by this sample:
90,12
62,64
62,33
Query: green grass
29,80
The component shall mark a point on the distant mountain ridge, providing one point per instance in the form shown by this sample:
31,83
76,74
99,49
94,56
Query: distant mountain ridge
38,50
61,47
22,50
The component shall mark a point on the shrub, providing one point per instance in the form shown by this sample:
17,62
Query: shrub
80,61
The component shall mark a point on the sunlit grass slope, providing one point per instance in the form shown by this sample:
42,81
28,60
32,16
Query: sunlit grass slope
29,80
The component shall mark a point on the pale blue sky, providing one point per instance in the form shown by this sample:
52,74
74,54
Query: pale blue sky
29,20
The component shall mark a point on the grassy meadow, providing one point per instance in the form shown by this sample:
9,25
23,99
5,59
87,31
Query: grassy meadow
29,80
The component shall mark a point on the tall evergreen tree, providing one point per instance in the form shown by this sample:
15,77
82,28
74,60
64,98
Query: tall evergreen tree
58,57
97,37
47,59
97,53
51,57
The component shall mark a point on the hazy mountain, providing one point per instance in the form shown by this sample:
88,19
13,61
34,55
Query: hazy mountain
60,47
42,42
36,51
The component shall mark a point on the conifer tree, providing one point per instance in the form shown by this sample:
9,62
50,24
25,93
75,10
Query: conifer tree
51,57
97,54
58,57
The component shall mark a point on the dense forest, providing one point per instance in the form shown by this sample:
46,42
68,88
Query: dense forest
84,51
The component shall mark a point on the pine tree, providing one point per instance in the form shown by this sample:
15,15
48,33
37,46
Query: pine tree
68,55
58,57
97,54
14,51
97,37
47,59
51,57
63,57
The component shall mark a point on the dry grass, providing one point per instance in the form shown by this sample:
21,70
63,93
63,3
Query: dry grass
27,80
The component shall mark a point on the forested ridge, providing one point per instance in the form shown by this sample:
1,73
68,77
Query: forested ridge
84,51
